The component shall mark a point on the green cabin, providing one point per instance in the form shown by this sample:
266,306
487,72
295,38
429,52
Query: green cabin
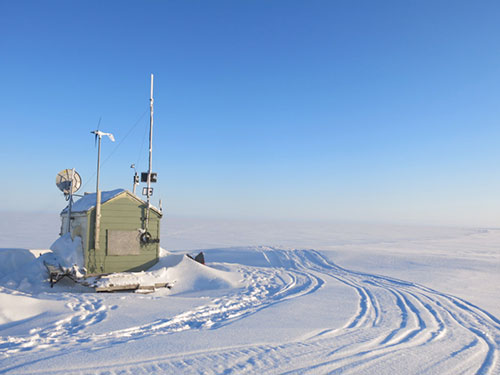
123,219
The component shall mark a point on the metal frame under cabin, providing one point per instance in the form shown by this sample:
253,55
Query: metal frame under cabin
122,223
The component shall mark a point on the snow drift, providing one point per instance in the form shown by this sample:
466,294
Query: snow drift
69,252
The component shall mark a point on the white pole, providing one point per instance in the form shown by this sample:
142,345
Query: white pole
150,152
98,201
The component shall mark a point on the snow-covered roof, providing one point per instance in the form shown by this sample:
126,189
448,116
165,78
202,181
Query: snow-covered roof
87,202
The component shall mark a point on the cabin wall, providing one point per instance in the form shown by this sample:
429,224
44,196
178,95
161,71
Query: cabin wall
79,228
123,214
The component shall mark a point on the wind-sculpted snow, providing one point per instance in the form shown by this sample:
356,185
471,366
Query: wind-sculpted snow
398,327
264,286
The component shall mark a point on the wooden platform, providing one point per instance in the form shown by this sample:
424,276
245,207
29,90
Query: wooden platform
138,288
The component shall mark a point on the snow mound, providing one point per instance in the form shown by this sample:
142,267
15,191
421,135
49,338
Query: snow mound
69,252
190,275
185,274
21,271
14,260
19,307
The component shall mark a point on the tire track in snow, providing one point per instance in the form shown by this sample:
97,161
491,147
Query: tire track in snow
86,310
395,322
265,287
421,323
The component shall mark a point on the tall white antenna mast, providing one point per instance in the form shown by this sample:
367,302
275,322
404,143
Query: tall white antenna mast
148,194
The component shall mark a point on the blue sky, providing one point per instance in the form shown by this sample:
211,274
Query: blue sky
342,110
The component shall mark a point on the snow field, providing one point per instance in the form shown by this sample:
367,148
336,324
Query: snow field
265,310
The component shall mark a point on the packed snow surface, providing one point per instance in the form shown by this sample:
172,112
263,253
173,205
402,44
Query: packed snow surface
346,299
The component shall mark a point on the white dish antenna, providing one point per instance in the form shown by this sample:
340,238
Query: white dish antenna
68,181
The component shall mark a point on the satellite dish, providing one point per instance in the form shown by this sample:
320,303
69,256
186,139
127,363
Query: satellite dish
68,179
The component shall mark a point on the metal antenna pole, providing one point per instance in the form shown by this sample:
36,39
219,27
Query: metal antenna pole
98,134
98,200
70,198
150,152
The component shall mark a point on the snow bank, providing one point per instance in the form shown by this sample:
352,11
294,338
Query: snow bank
18,307
22,271
14,260
69,252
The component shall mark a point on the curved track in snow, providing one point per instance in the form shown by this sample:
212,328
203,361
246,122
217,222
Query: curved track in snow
396,320
398,327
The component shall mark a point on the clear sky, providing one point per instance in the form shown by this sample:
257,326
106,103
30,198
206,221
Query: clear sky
343,110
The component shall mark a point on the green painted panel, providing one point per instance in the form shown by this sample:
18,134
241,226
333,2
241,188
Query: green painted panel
121,213
137,265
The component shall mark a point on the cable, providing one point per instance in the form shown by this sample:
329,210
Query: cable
126,135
